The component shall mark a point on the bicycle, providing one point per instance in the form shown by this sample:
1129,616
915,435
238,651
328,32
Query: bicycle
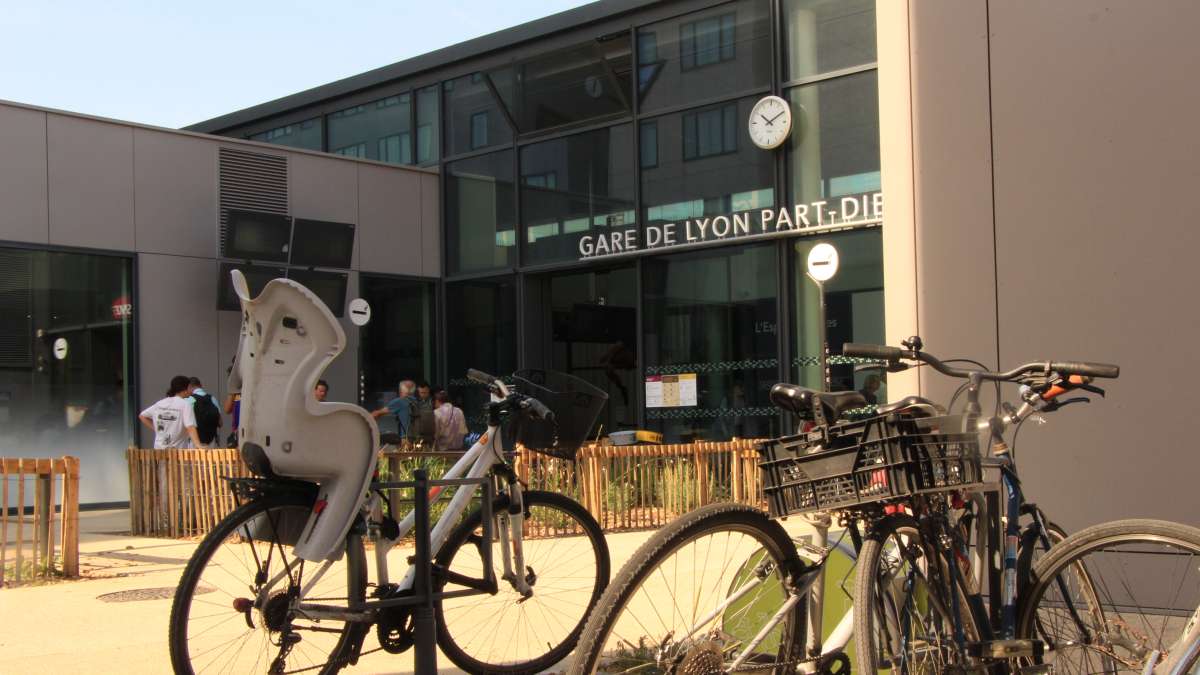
902,483
281,584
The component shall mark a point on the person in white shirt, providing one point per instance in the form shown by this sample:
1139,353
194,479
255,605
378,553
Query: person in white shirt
450,422
171,419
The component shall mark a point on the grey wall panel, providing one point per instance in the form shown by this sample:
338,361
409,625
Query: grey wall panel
389,220
178,326
23,175
1095,143
324,189
952,176
90,168
431,226
175,197
342,374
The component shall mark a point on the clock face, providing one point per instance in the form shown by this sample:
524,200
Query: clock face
770,122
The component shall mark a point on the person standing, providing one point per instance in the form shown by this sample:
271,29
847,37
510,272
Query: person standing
321,391
424,398
402,407
450,422
206,413
171,419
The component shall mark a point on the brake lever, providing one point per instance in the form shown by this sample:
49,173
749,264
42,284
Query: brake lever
896,367
1057,404
1092,388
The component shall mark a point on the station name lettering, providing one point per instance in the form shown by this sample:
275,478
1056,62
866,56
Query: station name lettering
799,218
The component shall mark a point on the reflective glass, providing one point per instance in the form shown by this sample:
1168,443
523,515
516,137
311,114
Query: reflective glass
833,150
574,187
705,165
827,35
399,341
711,321
704,55
480,213
474,119
585,81
66,353
429,139
379,130
481,334
306,134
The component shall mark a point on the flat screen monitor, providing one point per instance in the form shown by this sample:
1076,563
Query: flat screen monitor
319,243
330,287
257,277
258,236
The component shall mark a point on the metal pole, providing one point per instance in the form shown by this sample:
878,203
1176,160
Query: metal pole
425,647
824,335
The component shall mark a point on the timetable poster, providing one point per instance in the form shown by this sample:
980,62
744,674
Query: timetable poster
671,391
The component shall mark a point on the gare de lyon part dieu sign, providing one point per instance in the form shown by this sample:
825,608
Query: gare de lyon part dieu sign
850,212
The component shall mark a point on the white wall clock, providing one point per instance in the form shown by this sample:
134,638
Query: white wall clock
770,121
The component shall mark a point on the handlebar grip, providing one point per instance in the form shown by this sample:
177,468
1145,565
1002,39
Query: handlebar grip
881,352
539,409
1085,368
481,377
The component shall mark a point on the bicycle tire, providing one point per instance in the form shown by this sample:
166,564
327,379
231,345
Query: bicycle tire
757,537
1031,551
932,637
1114,636
236,539
569,572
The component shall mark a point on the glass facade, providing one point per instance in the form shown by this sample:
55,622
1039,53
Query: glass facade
380,130
553,160
306,135
66,351
400,342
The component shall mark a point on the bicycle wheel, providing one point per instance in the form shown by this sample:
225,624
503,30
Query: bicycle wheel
693,598
566,563
904,613
1032,550
231,610
1108,597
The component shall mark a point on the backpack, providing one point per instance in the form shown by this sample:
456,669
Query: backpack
208,417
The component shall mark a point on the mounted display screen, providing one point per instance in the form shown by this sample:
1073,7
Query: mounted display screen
330,287
257,277
258,236
319,243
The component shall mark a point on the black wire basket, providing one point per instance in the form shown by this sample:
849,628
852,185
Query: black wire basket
575,403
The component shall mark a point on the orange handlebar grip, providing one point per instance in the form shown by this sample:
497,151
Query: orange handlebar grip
1058,390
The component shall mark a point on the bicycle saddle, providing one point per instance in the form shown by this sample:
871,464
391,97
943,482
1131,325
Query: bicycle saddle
810,404
288,338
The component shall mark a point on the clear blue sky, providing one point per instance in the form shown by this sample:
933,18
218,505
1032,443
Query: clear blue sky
175,62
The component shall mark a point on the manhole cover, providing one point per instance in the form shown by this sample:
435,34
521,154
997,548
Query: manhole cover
164,593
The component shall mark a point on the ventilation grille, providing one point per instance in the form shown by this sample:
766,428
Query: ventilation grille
251,181
16,306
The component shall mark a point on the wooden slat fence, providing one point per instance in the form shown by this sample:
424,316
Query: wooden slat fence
28,534
181,493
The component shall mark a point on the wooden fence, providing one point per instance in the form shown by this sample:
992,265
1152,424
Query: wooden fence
181,493
31,555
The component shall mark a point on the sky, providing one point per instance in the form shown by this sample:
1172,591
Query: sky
176,63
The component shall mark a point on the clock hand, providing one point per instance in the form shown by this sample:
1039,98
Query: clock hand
776,117
765,119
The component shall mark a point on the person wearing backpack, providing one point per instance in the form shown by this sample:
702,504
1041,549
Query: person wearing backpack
206,412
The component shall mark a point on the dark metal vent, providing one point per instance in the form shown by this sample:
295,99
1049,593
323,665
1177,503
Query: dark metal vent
16,307
251,181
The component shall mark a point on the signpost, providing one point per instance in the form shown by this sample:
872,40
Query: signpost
360,312
822,266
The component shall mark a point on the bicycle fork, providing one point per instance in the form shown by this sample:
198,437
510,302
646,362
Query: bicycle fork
512,549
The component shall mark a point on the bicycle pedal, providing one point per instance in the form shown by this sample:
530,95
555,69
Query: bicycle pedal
1005,649
811,552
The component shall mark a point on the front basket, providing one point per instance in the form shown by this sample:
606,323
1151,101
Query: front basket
575,403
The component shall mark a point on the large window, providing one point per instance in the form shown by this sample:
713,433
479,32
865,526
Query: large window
474,119
429,138
66,352
306,134
833,151
589,80
824,36
480,213
379,130
713,315
704,165
482,334
399,342
704,55
576,186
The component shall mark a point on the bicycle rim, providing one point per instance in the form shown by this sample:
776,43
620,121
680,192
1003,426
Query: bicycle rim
1111,596
695,596
232,610
567,566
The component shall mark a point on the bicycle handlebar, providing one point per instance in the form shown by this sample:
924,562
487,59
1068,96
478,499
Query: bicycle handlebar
481,377
892,354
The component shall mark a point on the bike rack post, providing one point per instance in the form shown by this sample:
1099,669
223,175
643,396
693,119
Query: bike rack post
425,647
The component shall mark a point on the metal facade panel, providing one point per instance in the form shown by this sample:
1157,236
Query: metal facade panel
23,175
175,196
90,169
325,189
389,221
431,226
250,181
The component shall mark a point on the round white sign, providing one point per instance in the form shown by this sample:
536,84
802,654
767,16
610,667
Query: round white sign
822,262
60,348
360,312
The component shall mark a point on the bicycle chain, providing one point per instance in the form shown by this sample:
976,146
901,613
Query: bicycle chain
836,657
